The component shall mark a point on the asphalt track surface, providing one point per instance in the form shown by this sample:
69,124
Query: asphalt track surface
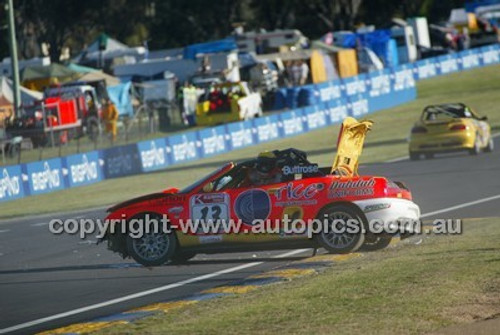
59,280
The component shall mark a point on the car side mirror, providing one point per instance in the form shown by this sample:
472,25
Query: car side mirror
484,118
209,187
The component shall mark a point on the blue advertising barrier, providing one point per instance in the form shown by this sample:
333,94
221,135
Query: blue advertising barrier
120,161
83,169
45,176
11,183
241,134
185,147
331,103
154,154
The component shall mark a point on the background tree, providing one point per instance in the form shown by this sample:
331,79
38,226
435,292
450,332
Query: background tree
176,23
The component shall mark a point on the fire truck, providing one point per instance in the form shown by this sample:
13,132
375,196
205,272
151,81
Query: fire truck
64,113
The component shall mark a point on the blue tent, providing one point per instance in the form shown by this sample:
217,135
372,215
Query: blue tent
120,96
192,50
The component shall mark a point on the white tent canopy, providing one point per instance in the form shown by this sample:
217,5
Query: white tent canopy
108,48
27,96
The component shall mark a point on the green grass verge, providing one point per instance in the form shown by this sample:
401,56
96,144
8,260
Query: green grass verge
406,289
478,88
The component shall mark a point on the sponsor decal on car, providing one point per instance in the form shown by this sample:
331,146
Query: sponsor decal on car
252,205
205,239
350,188
297,195
176,210
297,169
210,207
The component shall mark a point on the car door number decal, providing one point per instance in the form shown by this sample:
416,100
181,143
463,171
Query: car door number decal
210,207
211,213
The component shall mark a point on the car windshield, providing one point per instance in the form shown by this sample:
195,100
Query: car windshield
203,180
446,111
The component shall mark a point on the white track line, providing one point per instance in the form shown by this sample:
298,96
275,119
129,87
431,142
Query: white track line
39,224
398,159
143,293
465,204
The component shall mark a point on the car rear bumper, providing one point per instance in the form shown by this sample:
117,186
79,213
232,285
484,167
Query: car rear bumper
442,142
390,215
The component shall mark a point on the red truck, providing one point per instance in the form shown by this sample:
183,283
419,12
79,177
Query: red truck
64,113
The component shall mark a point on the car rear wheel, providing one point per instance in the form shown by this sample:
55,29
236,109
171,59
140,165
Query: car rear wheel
491,146
152,248
345,230
414,156
476,149
379,242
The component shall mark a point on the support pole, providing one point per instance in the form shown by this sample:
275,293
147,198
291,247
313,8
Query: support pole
9,6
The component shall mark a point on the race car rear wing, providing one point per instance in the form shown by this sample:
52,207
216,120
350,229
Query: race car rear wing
349,146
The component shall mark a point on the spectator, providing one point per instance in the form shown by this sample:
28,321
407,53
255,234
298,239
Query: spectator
190,97
110,117
296,73
304,73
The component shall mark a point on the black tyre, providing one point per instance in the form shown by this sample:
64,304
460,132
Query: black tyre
379,242
93,128
429,156
181,257
490,147
152,248
476,149
414,156
345,232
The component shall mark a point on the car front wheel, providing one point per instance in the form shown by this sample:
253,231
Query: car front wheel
152,248
344,229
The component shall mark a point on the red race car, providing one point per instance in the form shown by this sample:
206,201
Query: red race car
278,200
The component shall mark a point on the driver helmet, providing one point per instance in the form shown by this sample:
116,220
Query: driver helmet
266,162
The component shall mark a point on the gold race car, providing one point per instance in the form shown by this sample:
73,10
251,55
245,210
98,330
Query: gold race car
448,128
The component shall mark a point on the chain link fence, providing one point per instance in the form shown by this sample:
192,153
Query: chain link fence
148,121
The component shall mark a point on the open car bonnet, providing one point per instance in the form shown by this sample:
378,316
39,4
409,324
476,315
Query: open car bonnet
350,145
